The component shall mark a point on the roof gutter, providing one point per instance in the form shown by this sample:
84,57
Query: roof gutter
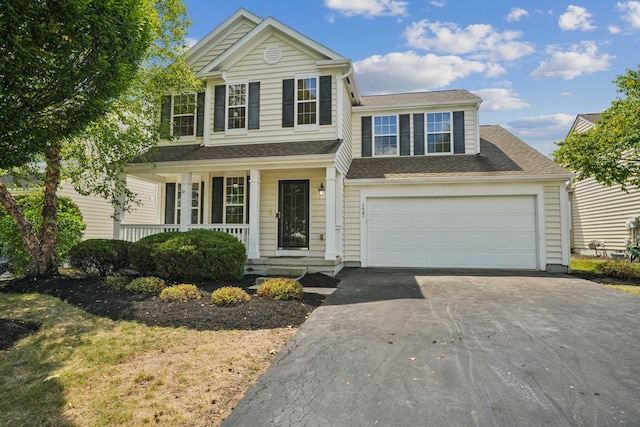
456,179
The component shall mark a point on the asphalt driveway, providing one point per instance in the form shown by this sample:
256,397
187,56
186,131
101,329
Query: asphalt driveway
456,348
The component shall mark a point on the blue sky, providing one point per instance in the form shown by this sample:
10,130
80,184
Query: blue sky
536,64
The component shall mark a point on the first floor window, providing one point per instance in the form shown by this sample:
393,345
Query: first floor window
234,200
192,202
307,101
184,114
439,132
237,106
385,135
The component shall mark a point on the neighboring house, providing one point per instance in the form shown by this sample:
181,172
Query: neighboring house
283,152
600,213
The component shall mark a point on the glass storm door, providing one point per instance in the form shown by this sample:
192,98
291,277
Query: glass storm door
293,214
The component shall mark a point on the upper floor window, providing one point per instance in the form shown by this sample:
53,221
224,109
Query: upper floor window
307,101
237,106
439,133
184,114
385,135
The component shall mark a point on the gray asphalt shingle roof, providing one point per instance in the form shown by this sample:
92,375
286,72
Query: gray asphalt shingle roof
426,98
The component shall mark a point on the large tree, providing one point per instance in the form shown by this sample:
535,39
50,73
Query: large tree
609,152
132,37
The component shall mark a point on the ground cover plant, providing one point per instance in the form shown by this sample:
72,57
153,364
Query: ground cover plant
621,275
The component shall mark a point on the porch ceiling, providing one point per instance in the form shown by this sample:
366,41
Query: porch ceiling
181,153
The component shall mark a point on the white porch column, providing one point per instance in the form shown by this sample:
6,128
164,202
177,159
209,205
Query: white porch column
254,215
330,214
118,210
185,201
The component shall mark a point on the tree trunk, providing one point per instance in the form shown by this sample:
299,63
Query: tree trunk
46,261
29,237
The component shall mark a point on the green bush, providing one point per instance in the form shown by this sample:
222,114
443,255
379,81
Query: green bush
229,295
141,253
181,292
100,257
281,289
70,228
116,281
619,269
145,285
199,255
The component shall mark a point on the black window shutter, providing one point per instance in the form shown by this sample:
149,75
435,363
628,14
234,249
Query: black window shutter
288,99
200,115
218,108
202,202
418,134
217,199
246,202
325,100
458,132
366,136
165,117
405,134
170,203
254,105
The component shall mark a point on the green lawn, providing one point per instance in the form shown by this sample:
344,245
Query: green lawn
624,268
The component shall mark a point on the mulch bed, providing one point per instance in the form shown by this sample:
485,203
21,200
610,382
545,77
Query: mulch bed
202,314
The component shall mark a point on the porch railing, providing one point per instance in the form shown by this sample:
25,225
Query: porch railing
135,232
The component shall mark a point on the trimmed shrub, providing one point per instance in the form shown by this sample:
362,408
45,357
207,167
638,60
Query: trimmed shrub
141,253
181,292
145,285
100,257
116,281
198,255
229,295
281,288
619,269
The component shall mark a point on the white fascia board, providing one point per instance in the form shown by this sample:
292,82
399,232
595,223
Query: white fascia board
197,50
241,45
413,106
458,179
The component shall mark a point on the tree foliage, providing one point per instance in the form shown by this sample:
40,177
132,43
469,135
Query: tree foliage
609,152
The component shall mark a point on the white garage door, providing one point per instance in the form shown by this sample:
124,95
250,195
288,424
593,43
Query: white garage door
466,232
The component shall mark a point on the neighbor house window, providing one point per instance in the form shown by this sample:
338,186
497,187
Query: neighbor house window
307,101
234,200
184,115
193,204
385,135
439,133
237,106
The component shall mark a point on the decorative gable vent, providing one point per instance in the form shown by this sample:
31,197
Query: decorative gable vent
272,55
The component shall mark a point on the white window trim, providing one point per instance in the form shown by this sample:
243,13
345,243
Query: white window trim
186,138
244,198
315,126
426,134
238,131
179,198
373,135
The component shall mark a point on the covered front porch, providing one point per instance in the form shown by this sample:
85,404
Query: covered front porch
289,219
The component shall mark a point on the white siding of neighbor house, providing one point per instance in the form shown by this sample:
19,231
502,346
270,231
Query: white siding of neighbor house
296,60
582,125
600,213
343,156
269,208
470,129
352,216
232,35
552,224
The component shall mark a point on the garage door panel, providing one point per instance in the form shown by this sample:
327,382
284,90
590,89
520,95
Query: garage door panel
473,232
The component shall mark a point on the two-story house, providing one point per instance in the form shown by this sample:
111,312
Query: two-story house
284,152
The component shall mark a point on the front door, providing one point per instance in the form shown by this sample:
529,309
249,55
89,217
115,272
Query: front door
293,214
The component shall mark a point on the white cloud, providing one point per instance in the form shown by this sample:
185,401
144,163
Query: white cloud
516,14
368,8
631,10
580,59
499,99
566,94
480,40
190,41
410,72
542,132
330,18
438,3
614,29
494,70
576,18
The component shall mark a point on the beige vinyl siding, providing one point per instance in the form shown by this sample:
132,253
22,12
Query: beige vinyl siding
251,68
470,129
231,37
552,224
600,213
351,228
148,193
96,212
269,208
343,157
